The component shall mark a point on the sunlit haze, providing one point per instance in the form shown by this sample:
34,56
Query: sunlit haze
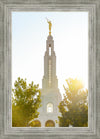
70,35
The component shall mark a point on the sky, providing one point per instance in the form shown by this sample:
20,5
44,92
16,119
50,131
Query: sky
70,35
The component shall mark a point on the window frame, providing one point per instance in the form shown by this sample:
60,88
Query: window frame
6,8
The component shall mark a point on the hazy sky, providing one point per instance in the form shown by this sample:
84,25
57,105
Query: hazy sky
29,35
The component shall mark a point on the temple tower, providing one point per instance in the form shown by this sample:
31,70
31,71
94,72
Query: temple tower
50,94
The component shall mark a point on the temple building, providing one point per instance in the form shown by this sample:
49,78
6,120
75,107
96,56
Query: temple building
50,94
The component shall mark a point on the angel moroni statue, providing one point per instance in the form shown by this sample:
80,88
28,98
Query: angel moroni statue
50,25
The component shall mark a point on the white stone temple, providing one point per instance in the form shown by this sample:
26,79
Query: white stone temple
50,94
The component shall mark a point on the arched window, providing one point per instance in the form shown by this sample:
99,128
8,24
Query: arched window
49,123
49,107
35,123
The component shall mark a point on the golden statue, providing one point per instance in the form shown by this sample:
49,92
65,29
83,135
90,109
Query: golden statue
50,25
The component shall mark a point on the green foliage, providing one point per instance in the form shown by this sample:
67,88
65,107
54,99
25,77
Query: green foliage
35,123
74,106
25,103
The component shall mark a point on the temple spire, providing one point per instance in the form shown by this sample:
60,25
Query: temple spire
50,25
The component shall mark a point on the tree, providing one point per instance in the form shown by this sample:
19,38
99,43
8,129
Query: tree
25,103
74,106
35,123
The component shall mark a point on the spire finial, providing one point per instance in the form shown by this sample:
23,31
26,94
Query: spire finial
50,25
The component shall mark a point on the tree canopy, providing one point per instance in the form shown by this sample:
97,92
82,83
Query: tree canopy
25,102
74,106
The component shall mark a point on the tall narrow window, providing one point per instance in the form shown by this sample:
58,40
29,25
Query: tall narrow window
49,51
49,72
